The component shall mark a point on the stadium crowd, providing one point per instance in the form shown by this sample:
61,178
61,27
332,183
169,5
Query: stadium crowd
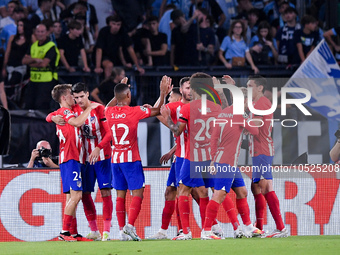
250,32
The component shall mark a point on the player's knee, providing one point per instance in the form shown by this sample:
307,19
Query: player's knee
105,192
170,193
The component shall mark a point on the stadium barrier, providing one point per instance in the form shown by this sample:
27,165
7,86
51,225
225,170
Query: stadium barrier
32,203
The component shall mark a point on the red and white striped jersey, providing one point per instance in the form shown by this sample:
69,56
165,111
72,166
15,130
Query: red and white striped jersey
262,144
175,109
70,140
227,136
199,129
123,123
95,132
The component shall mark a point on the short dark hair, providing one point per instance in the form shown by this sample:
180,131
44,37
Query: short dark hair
176,14
152,18
119,89
79,16
184,80
201,83
18,9
43,1
79,87
175,90
74,25
307,19
259,80
60,90
290,10
115,18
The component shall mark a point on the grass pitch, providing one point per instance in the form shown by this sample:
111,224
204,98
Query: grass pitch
291,245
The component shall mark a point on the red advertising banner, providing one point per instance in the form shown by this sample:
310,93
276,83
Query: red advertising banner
32,204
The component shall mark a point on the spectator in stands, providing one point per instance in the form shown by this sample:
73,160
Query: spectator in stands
18,46
11,29
166,24
335,152
272,9
253,21
41,156
9,20
70,46
56,34
235,48
263,47
87,37
307,38
155,43
91,17
43,59
5,9
3,97
106,87
285,38
32,6
109,47
57,8
332,37
280,22
43,12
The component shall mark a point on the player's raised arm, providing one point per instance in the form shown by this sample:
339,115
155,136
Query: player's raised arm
164,87
177,128
78,121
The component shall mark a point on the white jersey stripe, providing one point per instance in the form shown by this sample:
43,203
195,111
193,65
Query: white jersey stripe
129,156
121,158
195,155
204,155
115,155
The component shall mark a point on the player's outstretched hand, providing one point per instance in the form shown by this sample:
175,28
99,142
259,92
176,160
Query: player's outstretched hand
165,111
165,158
147,106
227,79
58,119
94,105
124,80
94,156
165,84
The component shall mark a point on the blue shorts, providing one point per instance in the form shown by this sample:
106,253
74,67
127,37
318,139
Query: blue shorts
207,177
227,177
172,176
188,176
128,175
178,165
100,171
262,168
70,172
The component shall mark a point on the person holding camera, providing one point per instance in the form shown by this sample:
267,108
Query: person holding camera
41,156
335,151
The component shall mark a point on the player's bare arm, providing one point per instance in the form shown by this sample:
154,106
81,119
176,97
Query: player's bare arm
177,128
78,121
165,158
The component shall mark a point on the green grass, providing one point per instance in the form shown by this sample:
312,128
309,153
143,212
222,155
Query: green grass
291,245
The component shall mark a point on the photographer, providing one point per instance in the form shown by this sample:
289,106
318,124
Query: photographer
42,156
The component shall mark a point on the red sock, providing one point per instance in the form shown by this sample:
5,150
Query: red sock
211,213
89,208
203,207
67,222
120,212
135,206
107,212
184,210
168,210
229,207
260,206
243,209
73,228
274,207
178,215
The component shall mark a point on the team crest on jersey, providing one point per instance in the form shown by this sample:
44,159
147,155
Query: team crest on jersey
245,115
92,119
79,184
67,112
143,108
